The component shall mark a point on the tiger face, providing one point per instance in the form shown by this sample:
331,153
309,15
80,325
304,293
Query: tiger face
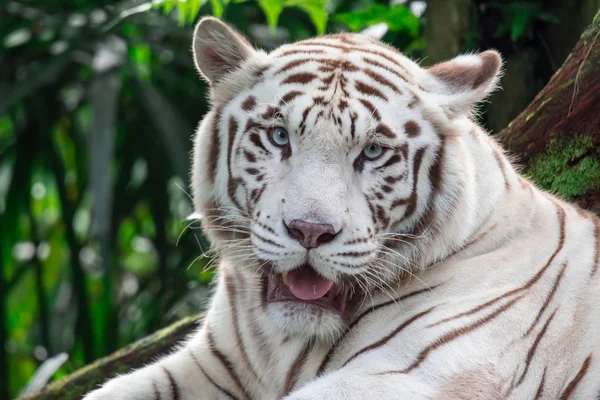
319,165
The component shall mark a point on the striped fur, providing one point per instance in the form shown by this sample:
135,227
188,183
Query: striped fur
465,280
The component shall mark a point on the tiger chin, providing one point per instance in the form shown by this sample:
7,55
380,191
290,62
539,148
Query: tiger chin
374,241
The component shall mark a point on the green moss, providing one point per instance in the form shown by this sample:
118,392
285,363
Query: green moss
592,30
532,114
568,167
566,84
544,103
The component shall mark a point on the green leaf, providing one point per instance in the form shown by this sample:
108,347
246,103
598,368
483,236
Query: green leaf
398,19
217,8
502,30
43,373
548,17
141,56
195,6
166,5
170,124
17,38
272,10
183,8
316,10
126,233
519,23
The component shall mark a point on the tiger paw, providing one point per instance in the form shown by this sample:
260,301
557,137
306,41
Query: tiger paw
115,392
102,394
139,385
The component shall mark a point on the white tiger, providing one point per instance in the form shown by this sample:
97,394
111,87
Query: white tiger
375,243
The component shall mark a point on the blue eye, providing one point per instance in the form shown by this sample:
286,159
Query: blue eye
373,151
279,137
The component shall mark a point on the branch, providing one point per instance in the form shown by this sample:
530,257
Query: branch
136,355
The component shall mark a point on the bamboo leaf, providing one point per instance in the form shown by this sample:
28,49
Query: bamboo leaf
398,18
170,125
104,96
44,373
195,7
272,10
316,10
217,8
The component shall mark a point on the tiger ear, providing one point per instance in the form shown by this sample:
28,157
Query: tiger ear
464,80
218,49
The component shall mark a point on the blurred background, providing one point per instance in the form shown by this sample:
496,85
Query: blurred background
98,104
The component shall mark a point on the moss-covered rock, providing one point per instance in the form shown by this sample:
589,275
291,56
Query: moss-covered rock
568,168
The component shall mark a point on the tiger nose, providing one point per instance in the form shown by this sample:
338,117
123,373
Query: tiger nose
311,235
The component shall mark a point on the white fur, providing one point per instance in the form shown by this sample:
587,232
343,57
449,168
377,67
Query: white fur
491,232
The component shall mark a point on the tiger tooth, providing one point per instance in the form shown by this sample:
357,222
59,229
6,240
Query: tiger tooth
284,277
330,284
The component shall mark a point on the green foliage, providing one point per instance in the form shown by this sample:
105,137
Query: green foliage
189,10
568,167
398,19
316,10
518,18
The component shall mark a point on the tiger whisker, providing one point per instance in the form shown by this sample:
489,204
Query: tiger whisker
232,208
185,191
411,274
382,283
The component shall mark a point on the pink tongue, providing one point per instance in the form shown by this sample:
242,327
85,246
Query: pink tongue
306,284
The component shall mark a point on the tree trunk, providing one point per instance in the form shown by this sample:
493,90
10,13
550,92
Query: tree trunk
446,26
557,137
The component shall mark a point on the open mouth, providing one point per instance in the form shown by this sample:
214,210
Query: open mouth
305,285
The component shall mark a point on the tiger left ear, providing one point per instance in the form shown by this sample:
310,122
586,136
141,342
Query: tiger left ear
219,49
464,80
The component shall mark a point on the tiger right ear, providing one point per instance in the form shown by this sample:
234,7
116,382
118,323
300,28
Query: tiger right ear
464,80
218,49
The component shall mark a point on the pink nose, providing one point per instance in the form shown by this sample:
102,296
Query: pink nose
311,235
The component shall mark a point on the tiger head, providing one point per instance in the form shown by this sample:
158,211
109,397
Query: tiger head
328,168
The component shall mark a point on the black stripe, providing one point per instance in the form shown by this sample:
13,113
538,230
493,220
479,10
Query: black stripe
269,241
295,369
365,314
222,389
534,347
389,336
229,285
228,365
572,386
155,391
452,335
174,387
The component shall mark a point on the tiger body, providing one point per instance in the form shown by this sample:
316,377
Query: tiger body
460,279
